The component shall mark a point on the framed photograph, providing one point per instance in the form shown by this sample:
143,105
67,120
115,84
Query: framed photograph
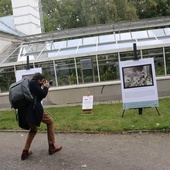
137,76
29,76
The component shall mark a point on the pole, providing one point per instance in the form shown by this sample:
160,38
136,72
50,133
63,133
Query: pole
136,58
28,65
135,51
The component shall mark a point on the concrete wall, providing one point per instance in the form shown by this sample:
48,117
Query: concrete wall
74,95
108,92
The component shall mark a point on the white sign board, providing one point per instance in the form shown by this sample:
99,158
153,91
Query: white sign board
27,73
87,103
138,83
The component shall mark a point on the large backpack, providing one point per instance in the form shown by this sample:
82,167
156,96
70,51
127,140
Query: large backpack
19,94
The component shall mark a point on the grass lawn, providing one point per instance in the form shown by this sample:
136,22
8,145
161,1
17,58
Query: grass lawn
105,118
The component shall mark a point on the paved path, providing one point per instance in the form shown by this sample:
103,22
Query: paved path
88,152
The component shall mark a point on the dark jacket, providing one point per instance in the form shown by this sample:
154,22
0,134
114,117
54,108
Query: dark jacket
32,113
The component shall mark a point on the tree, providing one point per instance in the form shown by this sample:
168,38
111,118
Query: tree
62,14
126,10
98,11
108,11
5,8
152,8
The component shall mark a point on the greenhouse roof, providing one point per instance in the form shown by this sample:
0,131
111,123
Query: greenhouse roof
109,38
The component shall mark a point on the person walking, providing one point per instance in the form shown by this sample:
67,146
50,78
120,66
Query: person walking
32,115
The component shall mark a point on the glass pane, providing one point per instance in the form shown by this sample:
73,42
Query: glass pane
87,75
66,72
167,57
23,67
125,36
74,43
108,67
104,47
156,33
157,54
57,45
139,35
125,45
106,38
47,71
7,77
89,41
129,55
167,31
148,42
86,49
68,51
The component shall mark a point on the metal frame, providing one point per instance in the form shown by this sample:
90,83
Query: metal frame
39,42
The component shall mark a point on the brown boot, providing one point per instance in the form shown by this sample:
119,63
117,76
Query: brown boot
25,154
53,148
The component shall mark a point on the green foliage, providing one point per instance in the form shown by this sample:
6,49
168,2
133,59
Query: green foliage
5,8
75,13
152,8
64,14
106,118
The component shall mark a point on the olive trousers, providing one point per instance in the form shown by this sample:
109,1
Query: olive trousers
47,119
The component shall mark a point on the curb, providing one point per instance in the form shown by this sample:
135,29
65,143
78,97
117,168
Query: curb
96,132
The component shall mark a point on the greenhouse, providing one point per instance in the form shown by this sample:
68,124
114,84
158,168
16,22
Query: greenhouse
68,59
89,56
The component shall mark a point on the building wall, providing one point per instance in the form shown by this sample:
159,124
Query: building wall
108,92
27,16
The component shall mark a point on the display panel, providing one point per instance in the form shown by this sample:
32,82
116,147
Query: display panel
138,83
27,73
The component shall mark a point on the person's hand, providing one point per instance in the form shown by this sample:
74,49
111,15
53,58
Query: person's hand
46,84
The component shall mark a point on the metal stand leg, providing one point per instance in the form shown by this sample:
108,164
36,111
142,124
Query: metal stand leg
140,111
157,111
123,112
